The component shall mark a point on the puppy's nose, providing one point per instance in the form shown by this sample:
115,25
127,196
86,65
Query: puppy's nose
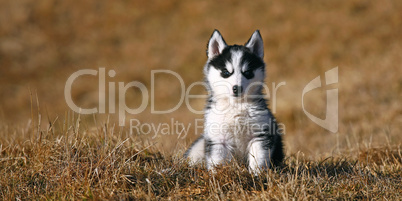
237,90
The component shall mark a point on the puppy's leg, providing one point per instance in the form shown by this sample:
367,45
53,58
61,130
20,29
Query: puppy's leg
196,152
216,154
258,157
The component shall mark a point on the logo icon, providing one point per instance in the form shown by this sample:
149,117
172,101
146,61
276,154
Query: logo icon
331,116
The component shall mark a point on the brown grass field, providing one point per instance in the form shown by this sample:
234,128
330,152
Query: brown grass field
47,151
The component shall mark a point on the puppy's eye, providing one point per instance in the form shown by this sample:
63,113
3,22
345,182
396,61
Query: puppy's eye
225,73
248,74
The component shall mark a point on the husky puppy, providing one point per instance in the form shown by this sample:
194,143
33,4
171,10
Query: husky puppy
237,123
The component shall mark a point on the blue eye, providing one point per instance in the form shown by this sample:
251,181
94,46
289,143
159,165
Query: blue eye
225,73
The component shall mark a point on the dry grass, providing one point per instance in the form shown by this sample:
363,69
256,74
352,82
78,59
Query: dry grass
67,162
53,155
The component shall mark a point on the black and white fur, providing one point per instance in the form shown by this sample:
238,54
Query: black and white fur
238,125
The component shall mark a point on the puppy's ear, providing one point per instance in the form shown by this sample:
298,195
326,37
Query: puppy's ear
255,44
216,45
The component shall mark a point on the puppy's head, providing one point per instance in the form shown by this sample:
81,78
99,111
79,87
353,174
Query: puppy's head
235,71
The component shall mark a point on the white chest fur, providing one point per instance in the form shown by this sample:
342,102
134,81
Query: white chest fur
234,124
